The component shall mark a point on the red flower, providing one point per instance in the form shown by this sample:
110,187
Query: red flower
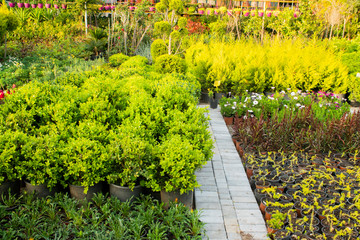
122,29
2,95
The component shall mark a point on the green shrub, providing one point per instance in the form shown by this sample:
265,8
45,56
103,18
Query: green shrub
134,62
158,48
162,28
170,64
281,64
117,59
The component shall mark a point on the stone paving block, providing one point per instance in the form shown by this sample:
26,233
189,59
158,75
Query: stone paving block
208,188
232,229
208,199
259,236
244,199
205,193
252,228
234,236
212,220
218,165
208,205
226,202
252,206
206,180
231,221
243,213
216,235
251,220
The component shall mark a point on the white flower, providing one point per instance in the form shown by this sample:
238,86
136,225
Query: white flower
302,106
299,91
282,92
255,102
233,108
245,117
246,99
288,89
272,88
295,98
298,104
235,103
285,106
292,93
271,98
250,111
320,105
244,106
251,115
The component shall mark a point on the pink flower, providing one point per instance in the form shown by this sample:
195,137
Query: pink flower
14,86
118,37
337,106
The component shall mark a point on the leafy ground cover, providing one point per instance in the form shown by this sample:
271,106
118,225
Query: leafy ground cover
62,217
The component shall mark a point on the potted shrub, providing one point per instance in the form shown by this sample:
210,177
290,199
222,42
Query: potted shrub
173,169
212,100
191,10
201,11
48,5
40,5
276,222
222,10
237,11
42,168
64,6
261,13
10,155
246,13
228,109
210,11
27,5
34,4
131,153
86,158
20,5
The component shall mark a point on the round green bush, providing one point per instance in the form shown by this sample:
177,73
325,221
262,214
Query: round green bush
117,59
158,48
135,62
162,28
170,64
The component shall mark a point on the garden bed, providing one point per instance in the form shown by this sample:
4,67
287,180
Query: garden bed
301,159
62,217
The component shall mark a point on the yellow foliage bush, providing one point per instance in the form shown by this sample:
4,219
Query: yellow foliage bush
247,65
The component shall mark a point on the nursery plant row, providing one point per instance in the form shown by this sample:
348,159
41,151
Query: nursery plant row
62,217
128,126
301,155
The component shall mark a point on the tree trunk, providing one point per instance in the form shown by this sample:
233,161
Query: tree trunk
331,30
343,33
169,50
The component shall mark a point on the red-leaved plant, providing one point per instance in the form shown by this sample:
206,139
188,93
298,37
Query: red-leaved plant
298,131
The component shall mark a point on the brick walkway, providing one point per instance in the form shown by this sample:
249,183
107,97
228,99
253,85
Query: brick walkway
228,205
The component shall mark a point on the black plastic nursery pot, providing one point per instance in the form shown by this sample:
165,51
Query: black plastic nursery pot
125,193
13,187
213,103
77,192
